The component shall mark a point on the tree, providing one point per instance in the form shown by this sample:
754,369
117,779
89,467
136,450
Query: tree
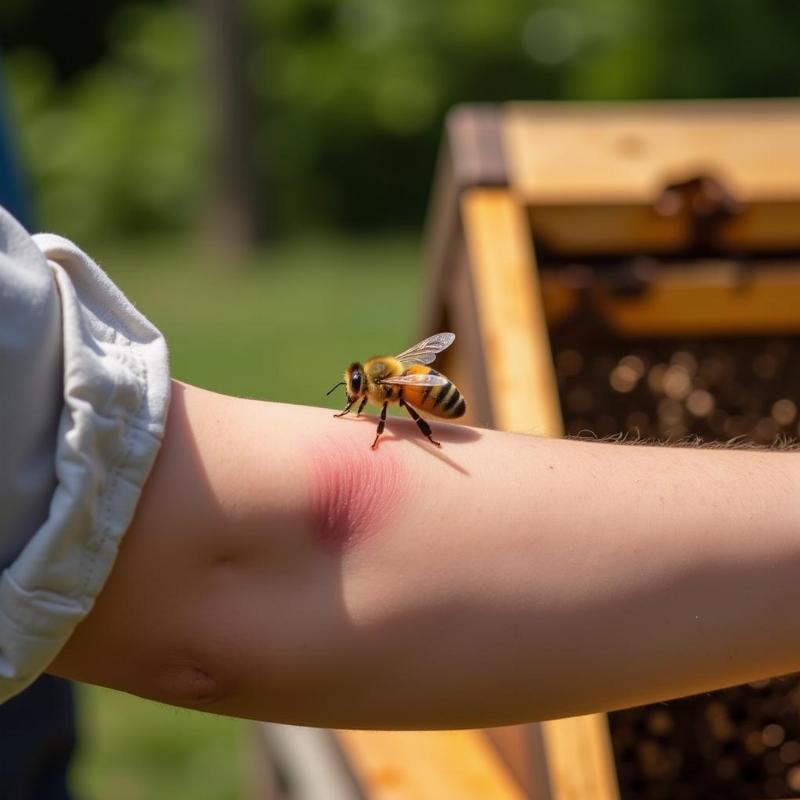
234,214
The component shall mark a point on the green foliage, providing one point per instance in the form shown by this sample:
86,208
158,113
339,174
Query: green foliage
350,95
118,149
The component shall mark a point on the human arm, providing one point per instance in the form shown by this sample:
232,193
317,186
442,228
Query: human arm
277,568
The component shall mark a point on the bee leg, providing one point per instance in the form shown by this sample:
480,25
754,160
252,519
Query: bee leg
361,407
347,408
381,425
421,423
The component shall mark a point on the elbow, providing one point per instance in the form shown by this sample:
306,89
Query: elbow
188,682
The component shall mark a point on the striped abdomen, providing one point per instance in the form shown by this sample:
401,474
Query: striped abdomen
441,401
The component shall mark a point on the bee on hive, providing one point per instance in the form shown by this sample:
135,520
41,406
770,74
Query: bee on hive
405,379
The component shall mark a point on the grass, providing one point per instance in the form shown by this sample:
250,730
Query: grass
133,749
281,327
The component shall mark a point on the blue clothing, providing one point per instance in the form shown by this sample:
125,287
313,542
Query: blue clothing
37,739
12,190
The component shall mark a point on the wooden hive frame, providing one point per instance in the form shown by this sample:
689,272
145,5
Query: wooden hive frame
586,180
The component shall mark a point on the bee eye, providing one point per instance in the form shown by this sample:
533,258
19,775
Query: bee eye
355,380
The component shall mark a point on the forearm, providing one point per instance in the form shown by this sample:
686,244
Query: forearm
280,569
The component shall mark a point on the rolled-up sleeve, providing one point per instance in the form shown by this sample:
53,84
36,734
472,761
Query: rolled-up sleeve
84,394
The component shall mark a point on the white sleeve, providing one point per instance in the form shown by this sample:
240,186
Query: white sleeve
84,394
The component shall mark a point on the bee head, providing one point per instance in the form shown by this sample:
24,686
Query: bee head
356,381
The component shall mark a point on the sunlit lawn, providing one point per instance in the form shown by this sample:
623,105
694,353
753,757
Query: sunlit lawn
282,327
133,749
285,325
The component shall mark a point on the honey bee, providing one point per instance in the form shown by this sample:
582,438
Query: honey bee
404,379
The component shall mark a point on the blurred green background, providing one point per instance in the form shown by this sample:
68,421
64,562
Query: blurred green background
255,174
128,108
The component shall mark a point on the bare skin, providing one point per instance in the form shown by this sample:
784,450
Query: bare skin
277,568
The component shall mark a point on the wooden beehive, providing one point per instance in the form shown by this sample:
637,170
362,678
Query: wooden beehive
616,269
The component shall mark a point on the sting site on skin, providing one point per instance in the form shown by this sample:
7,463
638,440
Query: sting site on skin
354,491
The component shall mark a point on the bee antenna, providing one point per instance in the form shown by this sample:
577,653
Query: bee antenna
341,383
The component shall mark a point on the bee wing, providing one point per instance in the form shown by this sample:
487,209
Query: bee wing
424,352
417,379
